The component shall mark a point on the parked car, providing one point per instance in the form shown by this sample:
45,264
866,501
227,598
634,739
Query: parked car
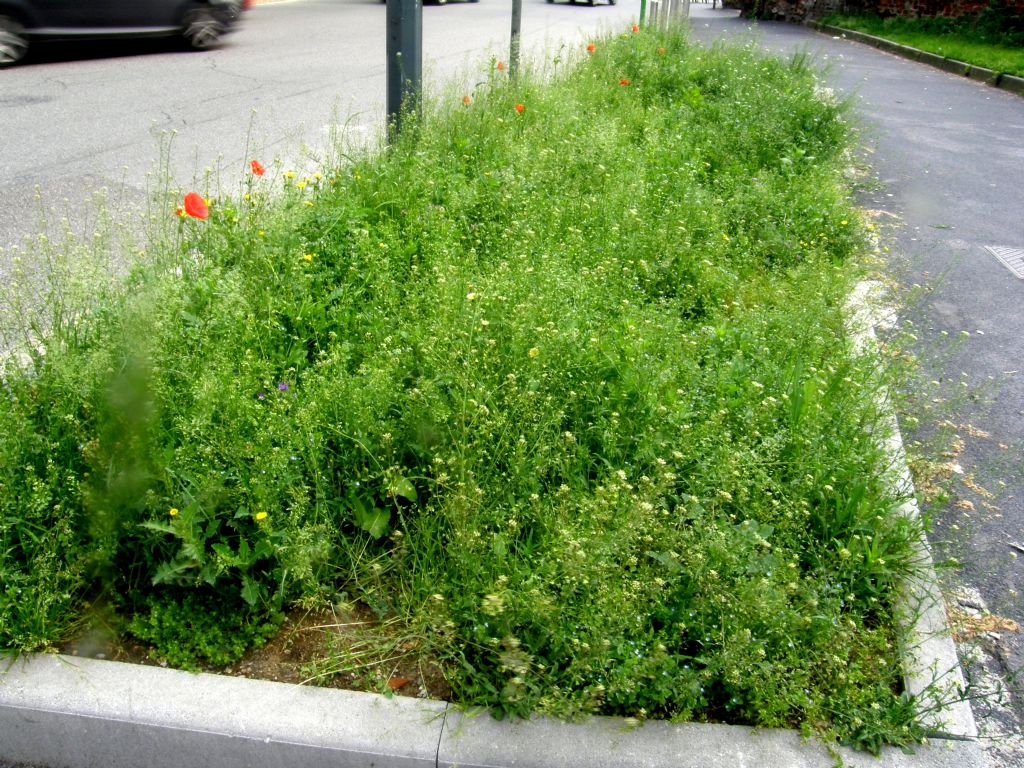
201,23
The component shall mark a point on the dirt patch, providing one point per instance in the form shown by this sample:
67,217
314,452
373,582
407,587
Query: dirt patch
342,647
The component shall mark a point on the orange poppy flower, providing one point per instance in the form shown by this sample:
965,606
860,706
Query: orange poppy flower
520,108
466,100
257,168
591,47
195,206
661,51
501,66
636,27
624,81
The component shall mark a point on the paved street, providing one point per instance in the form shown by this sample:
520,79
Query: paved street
80,118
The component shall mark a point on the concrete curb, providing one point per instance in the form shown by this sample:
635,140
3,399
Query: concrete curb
1012,83
85,713
1001,80
75,712
932,672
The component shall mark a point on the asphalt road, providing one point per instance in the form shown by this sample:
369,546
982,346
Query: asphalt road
82,119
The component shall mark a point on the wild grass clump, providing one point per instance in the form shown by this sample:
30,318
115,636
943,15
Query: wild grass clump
561,381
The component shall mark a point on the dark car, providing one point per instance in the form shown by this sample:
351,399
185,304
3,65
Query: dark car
201,23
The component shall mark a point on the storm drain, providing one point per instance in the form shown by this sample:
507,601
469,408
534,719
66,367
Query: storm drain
1012,258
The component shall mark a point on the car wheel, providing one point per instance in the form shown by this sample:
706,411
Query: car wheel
202,28
13,44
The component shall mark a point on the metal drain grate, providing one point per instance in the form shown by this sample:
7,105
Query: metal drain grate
1012,258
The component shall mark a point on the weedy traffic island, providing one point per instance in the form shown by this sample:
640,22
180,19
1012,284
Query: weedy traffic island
558,389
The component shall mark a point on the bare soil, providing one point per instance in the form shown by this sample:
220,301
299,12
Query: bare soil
342,647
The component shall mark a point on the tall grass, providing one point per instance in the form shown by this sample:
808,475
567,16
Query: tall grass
560,382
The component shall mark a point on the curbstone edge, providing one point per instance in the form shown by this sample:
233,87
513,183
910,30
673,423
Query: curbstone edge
77,712
1011,83
991,77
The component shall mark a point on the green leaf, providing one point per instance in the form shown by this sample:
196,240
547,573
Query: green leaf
404,488
172,572
161,527
224,551
374,522
262,549
244,553
251,591
370,519
667,560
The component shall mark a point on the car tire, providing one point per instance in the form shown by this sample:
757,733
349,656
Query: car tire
13,45
202,29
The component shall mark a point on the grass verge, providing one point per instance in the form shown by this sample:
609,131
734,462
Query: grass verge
986,41
559,386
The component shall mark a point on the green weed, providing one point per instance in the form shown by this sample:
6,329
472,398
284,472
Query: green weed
564,391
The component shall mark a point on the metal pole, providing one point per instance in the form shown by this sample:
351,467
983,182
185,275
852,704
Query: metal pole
517,23
405,59
643,11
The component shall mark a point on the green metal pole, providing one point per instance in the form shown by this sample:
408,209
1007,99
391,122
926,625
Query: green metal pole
643,11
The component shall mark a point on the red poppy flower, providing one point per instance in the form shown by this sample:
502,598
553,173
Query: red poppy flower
636,27
591,47
624,81
257,168
195,206
501,66
520,108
